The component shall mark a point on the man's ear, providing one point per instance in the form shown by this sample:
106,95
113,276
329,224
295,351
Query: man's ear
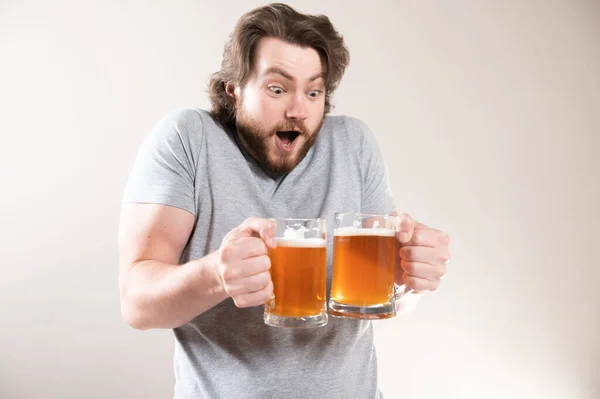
231,92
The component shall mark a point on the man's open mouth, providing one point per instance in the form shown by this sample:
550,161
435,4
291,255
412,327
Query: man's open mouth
287,137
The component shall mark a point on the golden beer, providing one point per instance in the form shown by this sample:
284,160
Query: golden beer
299,273
364,261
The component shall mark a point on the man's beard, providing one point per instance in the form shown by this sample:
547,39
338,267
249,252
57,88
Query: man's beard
255,137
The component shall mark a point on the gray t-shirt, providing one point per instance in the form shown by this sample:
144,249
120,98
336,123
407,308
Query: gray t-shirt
189,161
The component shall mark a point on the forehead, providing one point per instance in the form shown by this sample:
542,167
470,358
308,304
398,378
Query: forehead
300,62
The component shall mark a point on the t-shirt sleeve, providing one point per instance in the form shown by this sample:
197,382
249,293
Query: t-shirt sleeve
165,166
377,193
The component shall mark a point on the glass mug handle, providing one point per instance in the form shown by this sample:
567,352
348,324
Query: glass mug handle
401,290
270,304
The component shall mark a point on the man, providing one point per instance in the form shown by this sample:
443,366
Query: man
194,235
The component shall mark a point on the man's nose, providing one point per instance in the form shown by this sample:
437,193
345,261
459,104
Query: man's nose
297,108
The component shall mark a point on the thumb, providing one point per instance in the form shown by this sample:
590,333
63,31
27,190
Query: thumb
405,228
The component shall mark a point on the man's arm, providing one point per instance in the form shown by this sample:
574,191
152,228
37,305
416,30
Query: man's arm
157,292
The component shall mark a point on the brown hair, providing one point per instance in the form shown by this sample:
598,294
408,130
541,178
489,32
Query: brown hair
282,22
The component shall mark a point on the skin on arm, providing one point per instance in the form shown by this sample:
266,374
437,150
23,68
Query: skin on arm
156,291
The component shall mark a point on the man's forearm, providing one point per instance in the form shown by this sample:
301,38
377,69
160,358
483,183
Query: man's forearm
155,294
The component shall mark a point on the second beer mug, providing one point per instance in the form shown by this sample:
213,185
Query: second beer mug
299,274
365,248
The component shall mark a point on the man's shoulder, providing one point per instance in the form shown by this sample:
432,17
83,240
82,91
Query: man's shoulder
351,130
186,122
346,123
187,115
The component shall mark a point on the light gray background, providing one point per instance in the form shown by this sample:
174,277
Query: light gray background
487,113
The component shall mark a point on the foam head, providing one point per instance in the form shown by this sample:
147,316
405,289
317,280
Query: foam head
301,243
357,231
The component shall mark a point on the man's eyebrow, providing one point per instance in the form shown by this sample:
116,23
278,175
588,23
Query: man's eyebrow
317,76
279,71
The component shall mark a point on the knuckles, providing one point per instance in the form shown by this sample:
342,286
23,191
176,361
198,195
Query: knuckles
420,284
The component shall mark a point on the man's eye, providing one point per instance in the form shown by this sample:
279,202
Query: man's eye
276,90
314,93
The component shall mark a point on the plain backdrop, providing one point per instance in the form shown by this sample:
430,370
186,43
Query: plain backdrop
488,115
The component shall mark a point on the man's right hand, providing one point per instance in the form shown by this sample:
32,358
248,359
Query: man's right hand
244,262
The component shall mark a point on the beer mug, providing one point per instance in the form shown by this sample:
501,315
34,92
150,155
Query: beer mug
365,251
299,274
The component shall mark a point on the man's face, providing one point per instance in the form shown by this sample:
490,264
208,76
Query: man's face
280,109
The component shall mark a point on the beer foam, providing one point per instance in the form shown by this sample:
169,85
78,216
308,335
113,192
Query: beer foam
364,231
301,243
295,232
